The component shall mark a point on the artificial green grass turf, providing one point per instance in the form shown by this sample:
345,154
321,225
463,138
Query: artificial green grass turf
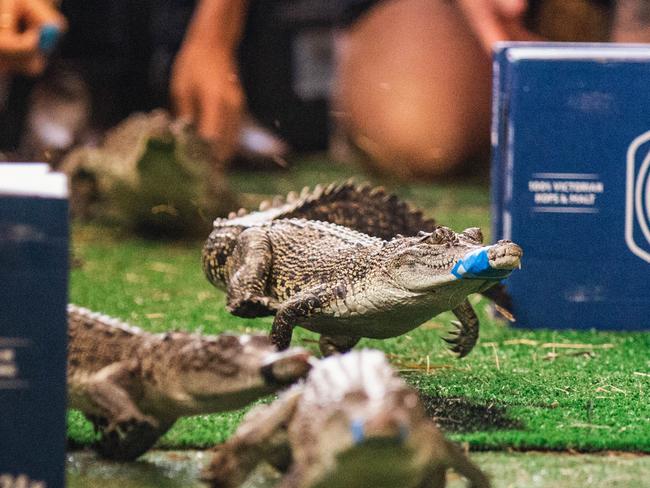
585,399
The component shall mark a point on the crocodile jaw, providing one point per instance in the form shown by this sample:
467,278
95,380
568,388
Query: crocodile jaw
493,262
505,255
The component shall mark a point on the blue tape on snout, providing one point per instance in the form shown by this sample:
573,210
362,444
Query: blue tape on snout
476,265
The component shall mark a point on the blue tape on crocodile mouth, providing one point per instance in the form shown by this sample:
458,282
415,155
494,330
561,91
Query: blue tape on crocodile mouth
476,264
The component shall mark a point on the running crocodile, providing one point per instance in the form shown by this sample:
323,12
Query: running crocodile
134,385
346,284
353,423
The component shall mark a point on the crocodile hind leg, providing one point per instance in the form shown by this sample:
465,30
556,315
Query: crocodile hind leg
336,344
464,338
251,267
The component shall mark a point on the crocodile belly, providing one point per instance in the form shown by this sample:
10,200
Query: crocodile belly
373,324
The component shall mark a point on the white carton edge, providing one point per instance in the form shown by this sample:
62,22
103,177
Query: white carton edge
33,183
23,168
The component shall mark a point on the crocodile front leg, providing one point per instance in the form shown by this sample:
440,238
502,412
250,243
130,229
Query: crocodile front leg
128,440
262,435
446,454
464,338
125,432
297,311
436,478
251,265
292,313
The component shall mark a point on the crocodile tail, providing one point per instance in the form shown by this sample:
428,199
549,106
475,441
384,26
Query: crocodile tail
364,208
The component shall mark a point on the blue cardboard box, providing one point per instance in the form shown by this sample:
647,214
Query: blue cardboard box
33,325
571,181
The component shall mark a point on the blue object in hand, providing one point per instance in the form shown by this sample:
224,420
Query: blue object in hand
49,38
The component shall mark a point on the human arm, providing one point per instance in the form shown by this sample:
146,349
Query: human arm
205,86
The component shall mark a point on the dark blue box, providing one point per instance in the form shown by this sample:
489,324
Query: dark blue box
33,325
571,181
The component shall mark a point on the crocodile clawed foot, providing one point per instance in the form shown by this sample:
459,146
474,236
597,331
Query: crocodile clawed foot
461,345
124,424
126,438
252,306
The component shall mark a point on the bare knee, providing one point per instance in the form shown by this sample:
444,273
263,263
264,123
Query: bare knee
414,88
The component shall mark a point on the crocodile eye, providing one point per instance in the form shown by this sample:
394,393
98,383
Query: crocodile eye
473,234
442,234
438,236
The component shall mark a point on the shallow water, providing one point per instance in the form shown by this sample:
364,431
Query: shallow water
160,469
156,469
181,469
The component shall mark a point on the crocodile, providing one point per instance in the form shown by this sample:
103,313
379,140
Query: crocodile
352,423
133,385
127,176
346,284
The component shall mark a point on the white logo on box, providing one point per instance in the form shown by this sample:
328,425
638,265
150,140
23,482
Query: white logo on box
637,206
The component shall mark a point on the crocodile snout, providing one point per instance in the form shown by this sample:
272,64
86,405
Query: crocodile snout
286,367
493,262
505,255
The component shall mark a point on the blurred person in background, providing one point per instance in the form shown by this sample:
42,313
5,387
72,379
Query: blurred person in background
410,88
412,77
632,21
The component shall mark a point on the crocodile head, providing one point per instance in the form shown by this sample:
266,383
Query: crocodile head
369,423
441,257
230,371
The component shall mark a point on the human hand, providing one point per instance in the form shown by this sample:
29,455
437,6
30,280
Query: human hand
497,20
205,89
21,22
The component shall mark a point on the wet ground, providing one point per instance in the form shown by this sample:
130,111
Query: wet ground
181,469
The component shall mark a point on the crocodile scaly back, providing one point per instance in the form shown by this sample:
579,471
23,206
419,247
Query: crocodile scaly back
364,208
